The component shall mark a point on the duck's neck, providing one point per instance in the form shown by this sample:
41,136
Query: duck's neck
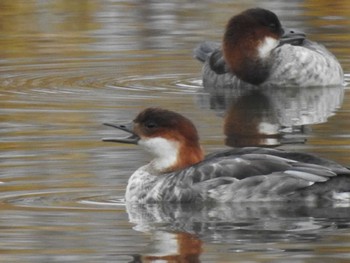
188,155
170,155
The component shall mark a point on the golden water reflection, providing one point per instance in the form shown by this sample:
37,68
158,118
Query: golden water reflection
68,66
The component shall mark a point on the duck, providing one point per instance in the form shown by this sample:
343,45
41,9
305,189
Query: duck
257,51
180,172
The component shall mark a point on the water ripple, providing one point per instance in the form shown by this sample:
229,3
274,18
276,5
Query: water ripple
60,78
64,199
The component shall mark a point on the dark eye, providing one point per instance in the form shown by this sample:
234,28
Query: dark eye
150,125
272,26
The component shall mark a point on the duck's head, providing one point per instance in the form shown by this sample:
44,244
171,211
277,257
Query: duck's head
170,137
249,39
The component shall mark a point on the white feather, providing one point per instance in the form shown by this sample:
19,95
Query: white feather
165,151
265,47
306,176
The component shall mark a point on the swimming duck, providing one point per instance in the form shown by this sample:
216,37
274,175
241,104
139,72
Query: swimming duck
256,50
180,172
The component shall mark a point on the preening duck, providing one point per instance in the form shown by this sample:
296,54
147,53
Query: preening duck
256,50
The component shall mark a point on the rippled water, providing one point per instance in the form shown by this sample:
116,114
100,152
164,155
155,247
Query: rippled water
69,66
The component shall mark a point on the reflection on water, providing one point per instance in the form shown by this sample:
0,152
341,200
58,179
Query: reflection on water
248,228
68,66
271,116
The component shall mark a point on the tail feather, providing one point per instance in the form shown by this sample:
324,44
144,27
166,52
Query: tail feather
204,50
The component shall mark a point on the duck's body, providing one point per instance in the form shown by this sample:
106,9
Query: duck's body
257,51
180,173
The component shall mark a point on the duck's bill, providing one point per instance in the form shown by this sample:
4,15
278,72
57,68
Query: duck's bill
292,36
132,139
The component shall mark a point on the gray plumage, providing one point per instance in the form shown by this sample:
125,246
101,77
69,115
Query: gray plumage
305,64
246,174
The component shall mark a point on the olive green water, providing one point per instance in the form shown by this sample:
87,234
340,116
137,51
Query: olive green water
68,66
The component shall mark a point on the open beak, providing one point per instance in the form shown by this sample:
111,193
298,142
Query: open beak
128,127
292,36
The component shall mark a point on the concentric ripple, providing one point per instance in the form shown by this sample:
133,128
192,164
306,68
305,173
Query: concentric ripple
168,83
64,199
69,77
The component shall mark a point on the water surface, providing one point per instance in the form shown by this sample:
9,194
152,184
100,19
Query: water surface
68,66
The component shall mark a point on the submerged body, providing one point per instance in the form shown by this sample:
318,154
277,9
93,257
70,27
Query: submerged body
180,173
257,51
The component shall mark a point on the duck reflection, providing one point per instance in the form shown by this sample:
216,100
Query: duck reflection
251,121
179,231
171,247
271,116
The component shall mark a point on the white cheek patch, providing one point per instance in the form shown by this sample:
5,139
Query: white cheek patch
165,151
266,46
159,146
